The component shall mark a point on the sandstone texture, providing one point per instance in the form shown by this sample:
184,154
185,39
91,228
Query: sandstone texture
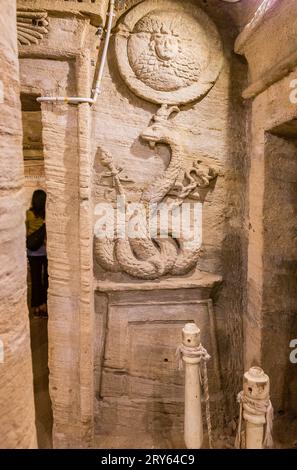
194,108
17,414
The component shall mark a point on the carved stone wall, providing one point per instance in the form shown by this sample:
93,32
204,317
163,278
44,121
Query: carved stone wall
17,414
32,147
271,56
169,126
94,9
65,145
270,321
209,130
31,27
186,143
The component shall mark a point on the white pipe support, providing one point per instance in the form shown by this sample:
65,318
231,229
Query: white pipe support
111,15
64,99
96,91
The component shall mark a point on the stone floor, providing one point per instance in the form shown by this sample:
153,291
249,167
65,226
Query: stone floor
285,431
43,409
39,348
285,437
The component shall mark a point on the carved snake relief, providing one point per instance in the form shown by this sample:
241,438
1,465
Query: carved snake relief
144,257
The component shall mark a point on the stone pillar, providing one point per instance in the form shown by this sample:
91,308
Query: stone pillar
61,173
66,138
17,413
86,300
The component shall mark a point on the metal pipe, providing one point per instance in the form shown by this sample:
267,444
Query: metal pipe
64,99
111,14
96,91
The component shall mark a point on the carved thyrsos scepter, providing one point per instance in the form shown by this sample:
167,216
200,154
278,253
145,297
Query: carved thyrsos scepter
108,162
194,356
256,411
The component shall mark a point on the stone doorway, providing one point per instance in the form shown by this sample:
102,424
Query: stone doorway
35,179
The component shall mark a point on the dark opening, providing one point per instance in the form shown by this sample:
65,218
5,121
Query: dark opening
34,179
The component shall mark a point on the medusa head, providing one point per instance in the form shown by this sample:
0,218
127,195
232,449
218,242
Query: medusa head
163,53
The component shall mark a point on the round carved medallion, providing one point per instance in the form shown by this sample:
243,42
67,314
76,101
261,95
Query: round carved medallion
168,51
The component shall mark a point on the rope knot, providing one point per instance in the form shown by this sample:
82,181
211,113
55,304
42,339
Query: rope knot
260,406
198,352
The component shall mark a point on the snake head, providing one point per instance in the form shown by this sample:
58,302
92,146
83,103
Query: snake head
160,128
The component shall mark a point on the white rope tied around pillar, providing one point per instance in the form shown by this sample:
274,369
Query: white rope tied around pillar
263,406
203,356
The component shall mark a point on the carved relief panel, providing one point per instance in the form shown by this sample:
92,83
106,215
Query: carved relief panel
146,249
31,27
168,52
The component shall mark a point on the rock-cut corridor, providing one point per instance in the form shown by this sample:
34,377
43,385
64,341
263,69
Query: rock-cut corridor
148,224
